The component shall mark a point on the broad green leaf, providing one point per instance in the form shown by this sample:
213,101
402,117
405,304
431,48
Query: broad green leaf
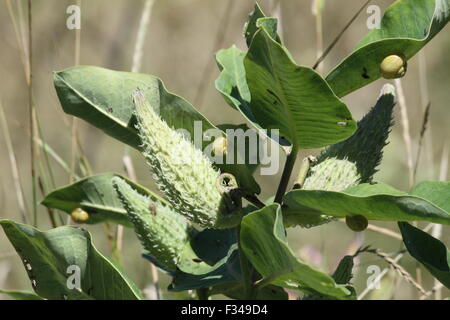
292,99
232,83
264,242
97,196
342,275
226,270
406,27
250,27
198,257
437,192
375,202
210,258
103,98
21,295
53,258
428,250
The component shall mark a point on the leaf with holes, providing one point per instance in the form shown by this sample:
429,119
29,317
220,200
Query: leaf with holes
55,258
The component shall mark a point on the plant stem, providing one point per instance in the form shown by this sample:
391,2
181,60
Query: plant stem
245,268
287,171
31,114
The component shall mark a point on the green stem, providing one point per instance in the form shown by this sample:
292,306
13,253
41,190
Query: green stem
287,171
245,268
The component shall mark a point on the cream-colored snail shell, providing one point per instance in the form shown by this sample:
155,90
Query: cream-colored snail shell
79,215
220,146
393,67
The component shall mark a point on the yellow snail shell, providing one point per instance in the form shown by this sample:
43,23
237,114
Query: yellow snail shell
393,67
79,215
220,146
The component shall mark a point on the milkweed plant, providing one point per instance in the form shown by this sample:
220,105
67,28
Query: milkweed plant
208,228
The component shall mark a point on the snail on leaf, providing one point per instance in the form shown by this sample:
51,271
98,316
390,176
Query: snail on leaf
357,223
78,215
393,67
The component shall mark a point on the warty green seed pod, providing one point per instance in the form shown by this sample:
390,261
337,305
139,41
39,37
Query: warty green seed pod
183,173
393,67
161,230
78,215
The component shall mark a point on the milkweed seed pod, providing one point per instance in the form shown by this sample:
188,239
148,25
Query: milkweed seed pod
365,146
183,173
78,215
162,232
393,67
352,161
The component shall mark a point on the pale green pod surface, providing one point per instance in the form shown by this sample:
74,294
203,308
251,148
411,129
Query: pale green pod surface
332,174
183,173
162,232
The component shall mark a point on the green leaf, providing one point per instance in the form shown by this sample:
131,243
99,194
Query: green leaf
264,242
406,27
226,270
250,27
103,98
201,267
375,202
437,192
293,99
232,83
97,196
342,275
197,256
21,295
428,250
48,255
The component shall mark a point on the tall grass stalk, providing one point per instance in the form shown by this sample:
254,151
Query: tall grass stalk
31,110
338,37
14,167
406,134
126,159
222,28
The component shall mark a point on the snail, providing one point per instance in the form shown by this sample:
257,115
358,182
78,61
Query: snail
393,67
357,223
220,146
79,215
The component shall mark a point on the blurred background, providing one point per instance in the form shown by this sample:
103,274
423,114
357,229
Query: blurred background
181,39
